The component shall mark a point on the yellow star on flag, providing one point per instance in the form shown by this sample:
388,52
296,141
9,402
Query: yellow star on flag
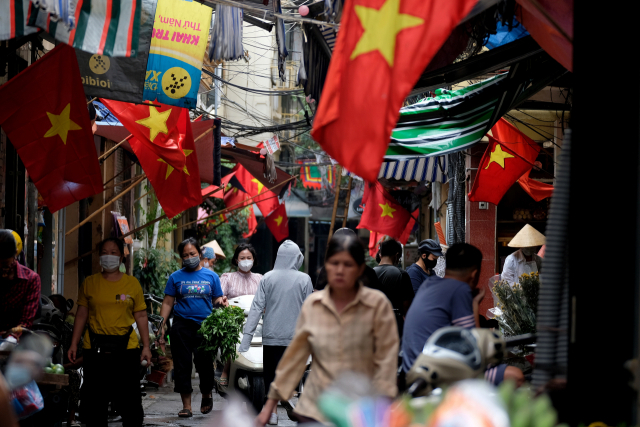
387,210
171,168
61,124
278,220
381,27
156,122
260,185
498,156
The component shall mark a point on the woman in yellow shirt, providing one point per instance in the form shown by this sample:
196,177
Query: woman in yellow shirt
111,302
346,327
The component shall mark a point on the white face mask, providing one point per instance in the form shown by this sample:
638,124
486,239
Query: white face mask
109,263
245,264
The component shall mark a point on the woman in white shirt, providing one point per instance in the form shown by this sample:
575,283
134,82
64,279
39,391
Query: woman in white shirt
525,259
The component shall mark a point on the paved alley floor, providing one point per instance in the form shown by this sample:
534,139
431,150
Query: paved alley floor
161,409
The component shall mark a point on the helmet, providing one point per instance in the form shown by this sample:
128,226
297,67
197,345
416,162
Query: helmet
18,242
346,231
453,354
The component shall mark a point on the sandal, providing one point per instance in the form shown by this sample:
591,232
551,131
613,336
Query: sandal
207,402
185,413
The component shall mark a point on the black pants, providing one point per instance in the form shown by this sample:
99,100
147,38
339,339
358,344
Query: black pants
271,355
115,378
185,343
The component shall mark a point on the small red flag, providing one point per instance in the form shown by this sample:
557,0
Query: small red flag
536,189
214,191
382,213
177,189
235,196
252,224
155,128
267,201
509,155
374,242
278,223
44,114
382,49
407,230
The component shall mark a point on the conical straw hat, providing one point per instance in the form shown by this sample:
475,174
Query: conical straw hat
216,249
527,237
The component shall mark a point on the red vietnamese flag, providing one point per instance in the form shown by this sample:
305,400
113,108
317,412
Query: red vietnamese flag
155,128
382,213
382,49
177,189
44,114
234,196
536,189
374,242
278,223
252,223
404,238
506,159
213,190
267,201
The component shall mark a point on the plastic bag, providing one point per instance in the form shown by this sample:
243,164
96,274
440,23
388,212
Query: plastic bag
27,400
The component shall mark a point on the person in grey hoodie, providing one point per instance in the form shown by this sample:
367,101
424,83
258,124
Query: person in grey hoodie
280,295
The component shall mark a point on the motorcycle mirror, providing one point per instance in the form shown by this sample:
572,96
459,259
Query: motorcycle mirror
28,360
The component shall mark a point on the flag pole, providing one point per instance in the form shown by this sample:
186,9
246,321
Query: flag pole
84,221
115,147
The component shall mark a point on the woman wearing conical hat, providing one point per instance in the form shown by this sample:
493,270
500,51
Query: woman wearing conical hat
525,259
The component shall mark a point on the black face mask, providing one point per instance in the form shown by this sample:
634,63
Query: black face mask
430,263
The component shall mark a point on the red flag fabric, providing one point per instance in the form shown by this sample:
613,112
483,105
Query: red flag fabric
177,189
536,189
156,129
252,224
234,196
509,155
382,49
278,223
374,241
210,191
382,213
407,230
44,114
267,201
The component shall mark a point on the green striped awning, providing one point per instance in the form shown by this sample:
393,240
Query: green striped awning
452,121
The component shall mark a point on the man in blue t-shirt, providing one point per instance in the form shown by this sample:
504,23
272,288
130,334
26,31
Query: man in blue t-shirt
429,251
449,301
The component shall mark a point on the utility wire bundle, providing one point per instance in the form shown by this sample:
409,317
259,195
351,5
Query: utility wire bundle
226,34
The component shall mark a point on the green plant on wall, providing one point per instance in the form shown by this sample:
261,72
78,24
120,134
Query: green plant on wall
153,267
165,225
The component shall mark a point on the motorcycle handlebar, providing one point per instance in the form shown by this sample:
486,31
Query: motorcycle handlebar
521,339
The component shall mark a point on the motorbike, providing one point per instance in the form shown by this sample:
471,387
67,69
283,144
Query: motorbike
245,374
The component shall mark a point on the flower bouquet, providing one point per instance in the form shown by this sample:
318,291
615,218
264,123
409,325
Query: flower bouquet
516,305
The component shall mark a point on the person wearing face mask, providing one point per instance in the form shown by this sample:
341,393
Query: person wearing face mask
525,259
192,293
109,303
429,251
19,288
208,258
280,296
238,283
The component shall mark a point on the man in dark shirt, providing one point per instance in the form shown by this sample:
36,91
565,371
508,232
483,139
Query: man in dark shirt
429,251
369,278
450,301
394,282
19,289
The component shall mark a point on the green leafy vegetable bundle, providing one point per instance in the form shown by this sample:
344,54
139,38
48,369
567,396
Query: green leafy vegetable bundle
516,310
221,331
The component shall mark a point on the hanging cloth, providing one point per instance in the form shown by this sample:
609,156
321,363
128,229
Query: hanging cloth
226,34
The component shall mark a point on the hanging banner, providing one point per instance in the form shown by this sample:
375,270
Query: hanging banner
178,41
119,78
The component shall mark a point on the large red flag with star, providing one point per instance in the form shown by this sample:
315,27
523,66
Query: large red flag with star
507,158
177,189
382,213
44,113
278,223
155,128
383,47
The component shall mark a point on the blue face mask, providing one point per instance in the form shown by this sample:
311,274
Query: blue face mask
191,263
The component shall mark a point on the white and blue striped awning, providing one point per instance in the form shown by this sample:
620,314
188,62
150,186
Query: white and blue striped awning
430,169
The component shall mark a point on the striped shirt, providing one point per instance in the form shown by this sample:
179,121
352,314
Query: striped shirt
237,284
438,303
